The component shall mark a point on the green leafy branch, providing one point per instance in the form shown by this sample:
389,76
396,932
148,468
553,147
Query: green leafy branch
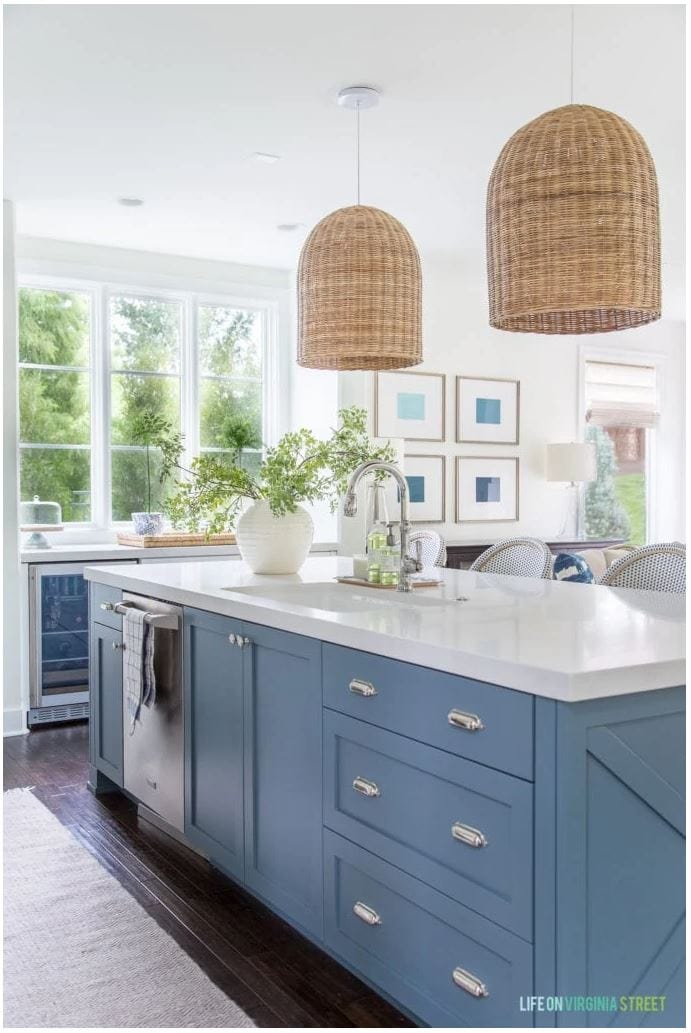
300,468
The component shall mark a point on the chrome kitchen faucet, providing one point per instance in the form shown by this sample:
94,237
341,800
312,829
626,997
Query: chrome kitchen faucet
408,564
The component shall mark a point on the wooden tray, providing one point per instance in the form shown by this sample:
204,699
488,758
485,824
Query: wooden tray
173,539
361,583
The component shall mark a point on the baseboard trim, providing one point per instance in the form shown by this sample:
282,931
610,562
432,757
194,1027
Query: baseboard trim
14,722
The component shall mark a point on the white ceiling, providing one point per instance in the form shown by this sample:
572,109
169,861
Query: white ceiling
168,102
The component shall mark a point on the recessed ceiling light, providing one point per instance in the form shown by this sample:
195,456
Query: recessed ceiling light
289,227
266,159
130,202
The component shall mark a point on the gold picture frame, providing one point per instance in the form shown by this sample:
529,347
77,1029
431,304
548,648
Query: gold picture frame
396,431
492,460
515,440
411,503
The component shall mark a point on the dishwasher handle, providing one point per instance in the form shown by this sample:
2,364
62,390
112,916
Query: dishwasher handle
170,621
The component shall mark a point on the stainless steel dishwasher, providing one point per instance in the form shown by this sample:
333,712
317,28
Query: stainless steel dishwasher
153,749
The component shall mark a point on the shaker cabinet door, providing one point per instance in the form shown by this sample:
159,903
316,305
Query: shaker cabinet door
213,739
283,773
105,678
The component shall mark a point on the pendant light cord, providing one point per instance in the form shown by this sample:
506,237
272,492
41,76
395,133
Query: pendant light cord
357,150
573,8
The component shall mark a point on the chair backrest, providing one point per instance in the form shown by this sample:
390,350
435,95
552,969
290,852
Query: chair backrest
522,557
659,568
427,546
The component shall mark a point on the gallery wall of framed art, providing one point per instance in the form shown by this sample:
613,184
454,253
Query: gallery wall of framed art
412,407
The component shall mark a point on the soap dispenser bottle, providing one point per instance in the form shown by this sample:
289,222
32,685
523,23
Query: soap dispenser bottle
391,558
377,519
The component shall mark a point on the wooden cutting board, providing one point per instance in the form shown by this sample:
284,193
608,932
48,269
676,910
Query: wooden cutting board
173,539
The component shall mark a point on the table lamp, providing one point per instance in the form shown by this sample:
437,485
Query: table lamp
573,462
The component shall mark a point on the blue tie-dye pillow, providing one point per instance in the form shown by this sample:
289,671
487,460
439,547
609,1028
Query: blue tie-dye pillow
569,566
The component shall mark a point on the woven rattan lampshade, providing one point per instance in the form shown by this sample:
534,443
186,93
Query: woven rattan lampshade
573,227
359,293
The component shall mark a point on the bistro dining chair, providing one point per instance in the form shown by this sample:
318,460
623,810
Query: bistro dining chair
521,557
428,548
659,568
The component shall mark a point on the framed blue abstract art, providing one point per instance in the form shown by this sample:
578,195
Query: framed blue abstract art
410,405
426,477
486,488
487,410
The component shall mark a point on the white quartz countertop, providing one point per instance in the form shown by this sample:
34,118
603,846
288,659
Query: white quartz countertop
563,641
112,551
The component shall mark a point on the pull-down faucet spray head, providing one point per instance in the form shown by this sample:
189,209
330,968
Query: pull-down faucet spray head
350,504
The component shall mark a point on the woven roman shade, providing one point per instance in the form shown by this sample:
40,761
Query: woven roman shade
573,228
359,293
621,394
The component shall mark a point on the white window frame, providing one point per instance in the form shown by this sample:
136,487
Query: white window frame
100,294
599,353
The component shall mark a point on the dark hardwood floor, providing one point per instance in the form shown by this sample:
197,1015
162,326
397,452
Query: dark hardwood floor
275,975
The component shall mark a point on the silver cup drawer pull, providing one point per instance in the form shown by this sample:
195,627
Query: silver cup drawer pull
470,983
469,722
366,914
467,834
362,688
364,786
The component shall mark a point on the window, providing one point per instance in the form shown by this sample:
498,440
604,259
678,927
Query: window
93,358
621,414
54,399
145,342
230,400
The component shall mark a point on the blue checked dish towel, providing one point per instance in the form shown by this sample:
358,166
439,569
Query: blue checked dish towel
139,677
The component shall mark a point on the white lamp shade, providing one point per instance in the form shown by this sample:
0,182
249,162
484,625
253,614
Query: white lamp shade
573,461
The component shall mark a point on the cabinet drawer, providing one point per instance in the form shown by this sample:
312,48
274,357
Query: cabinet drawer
409,940
461,827
422,704
102,600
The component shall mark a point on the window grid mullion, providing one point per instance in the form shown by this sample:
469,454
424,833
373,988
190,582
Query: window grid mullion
190,397
106,455
94,324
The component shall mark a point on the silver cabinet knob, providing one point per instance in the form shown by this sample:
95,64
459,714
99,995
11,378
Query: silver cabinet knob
118,645
362,688
467,834
470,983
365,787
469,722
107,606
233,639
366,914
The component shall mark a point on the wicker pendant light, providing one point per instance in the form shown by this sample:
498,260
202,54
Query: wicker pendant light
573,225
359,285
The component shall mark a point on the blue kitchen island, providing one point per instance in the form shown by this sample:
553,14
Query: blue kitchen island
471,796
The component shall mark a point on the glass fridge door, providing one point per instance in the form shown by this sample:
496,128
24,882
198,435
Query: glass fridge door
64,633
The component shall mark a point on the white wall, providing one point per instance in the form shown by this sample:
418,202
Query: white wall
457,340
12,693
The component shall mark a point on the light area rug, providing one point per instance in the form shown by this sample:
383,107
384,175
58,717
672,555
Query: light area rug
79,950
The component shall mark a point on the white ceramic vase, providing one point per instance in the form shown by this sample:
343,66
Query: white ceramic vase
271,544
